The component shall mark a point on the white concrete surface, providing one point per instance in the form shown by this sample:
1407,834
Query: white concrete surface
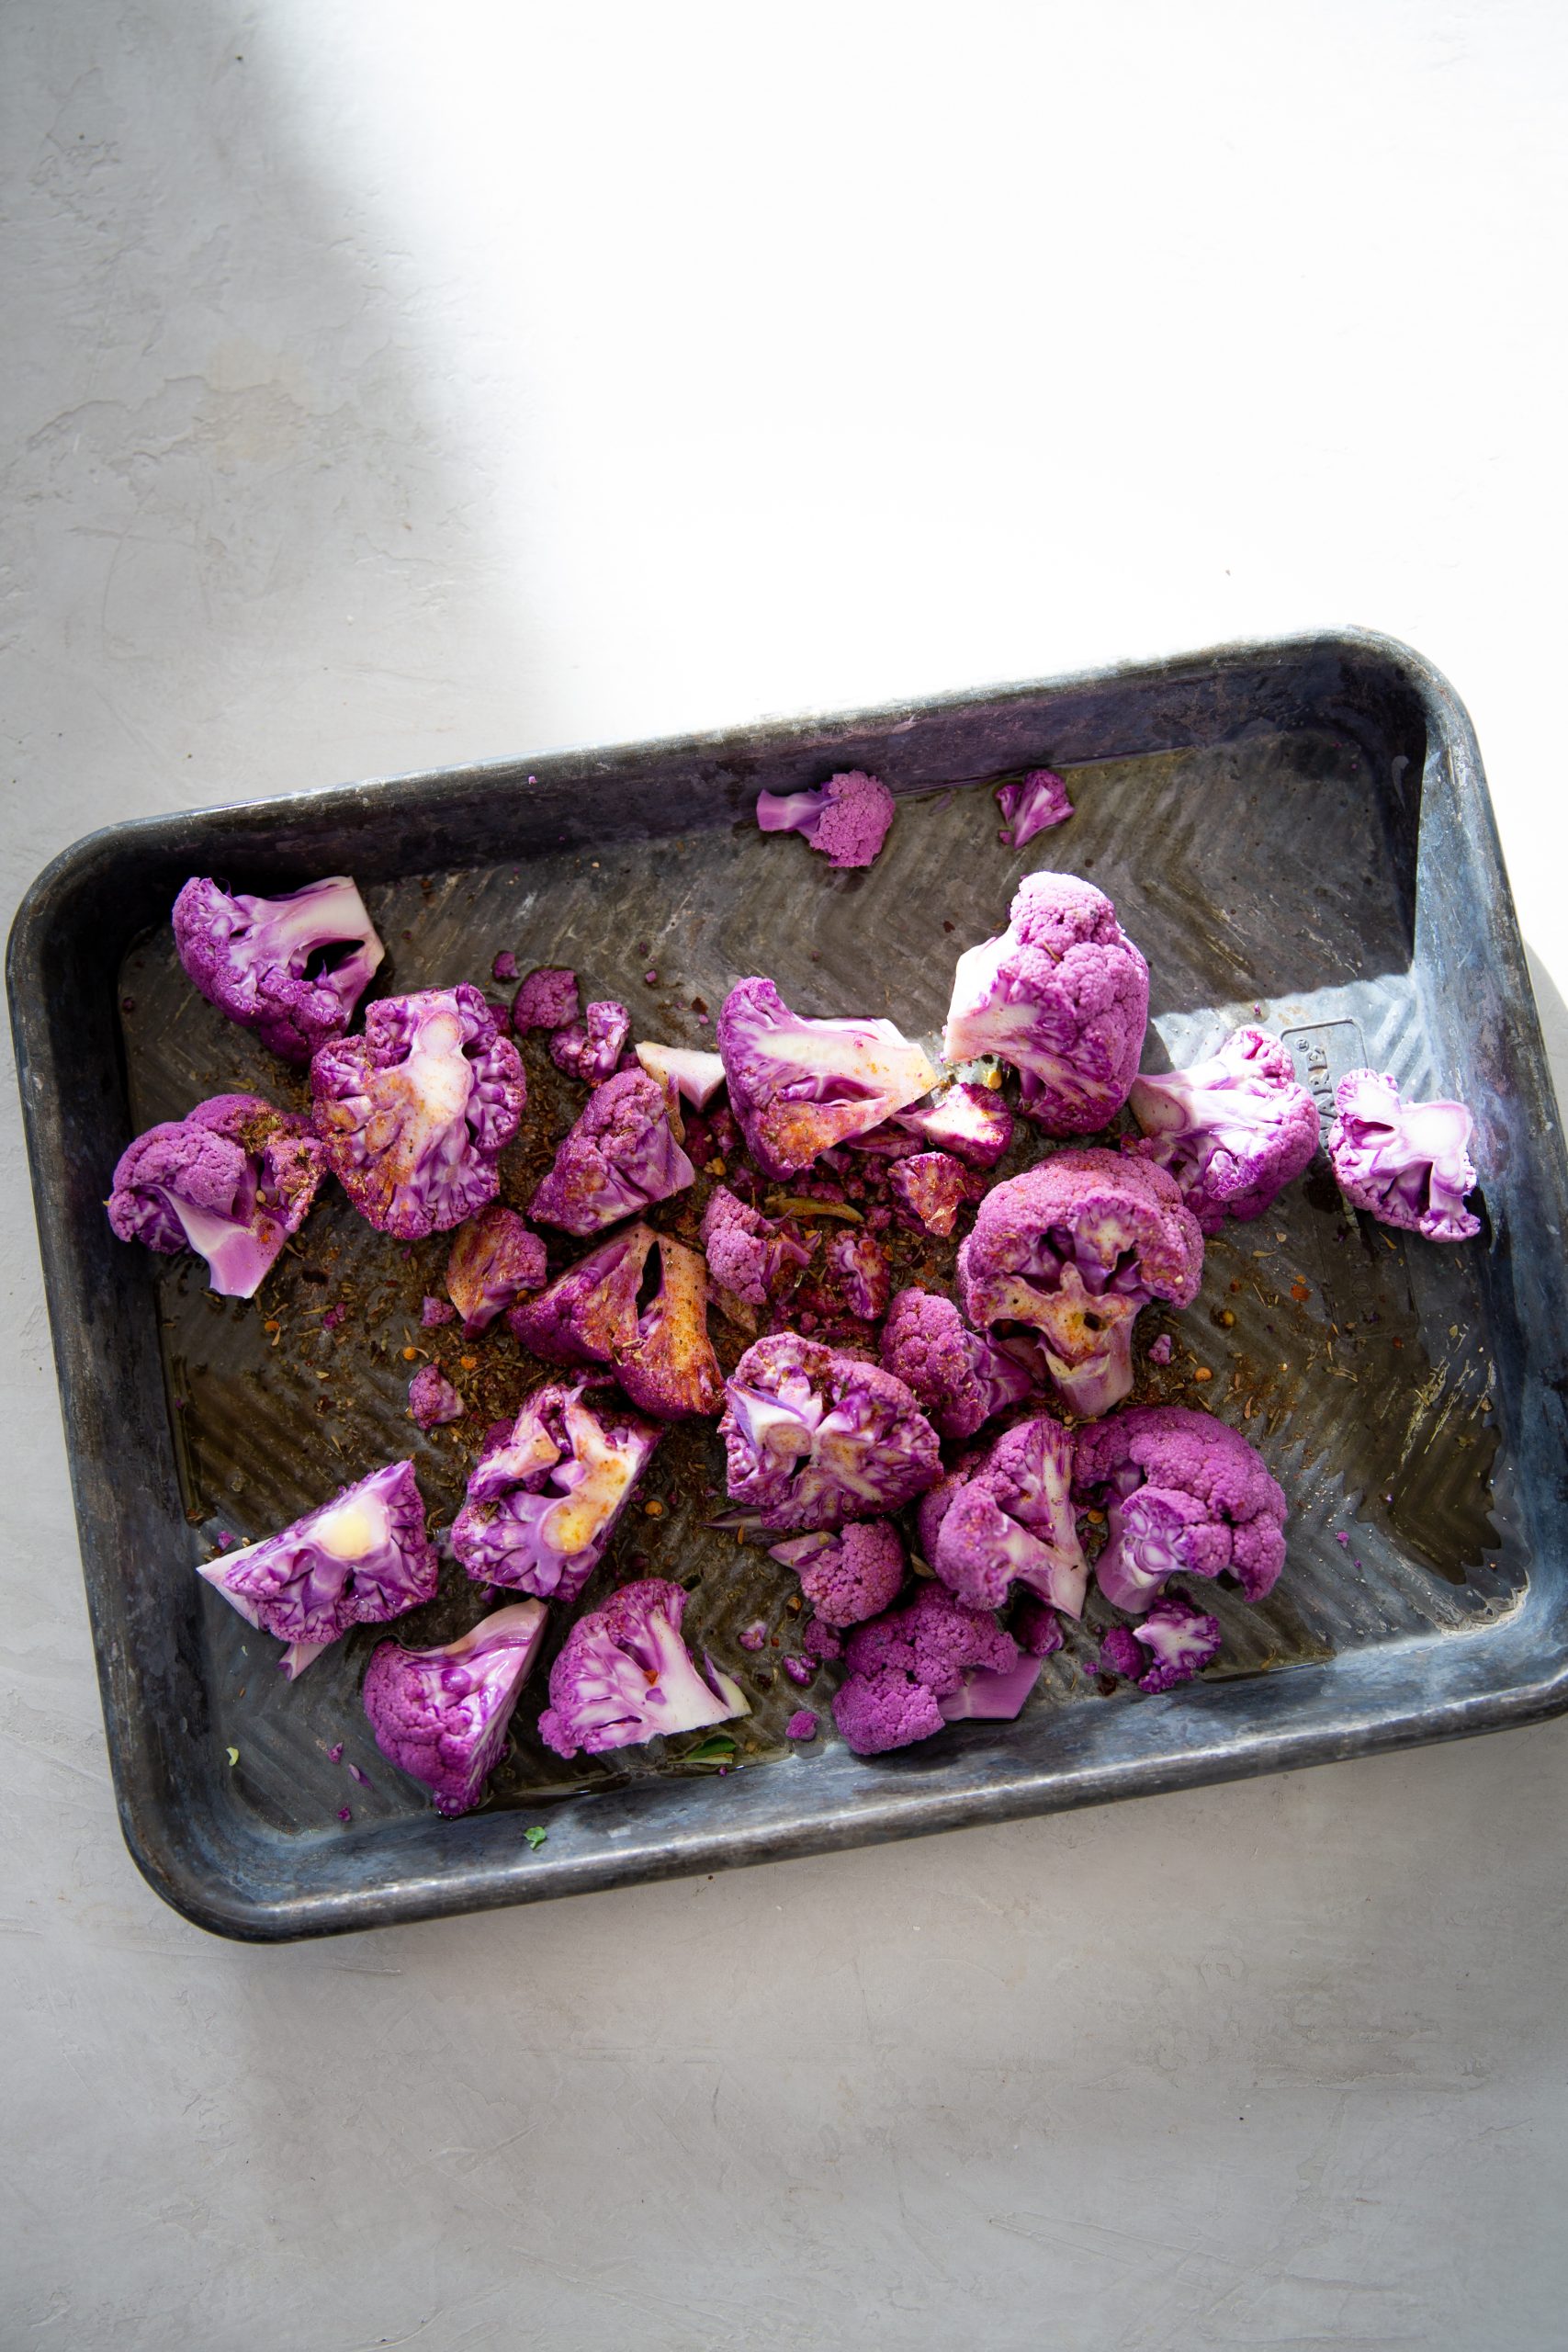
385,385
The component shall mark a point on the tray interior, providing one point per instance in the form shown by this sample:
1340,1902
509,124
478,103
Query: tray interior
1268,879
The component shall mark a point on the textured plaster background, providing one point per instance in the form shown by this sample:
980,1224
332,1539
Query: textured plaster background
385,385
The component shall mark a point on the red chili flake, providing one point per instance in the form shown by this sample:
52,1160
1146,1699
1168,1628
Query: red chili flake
1299,1293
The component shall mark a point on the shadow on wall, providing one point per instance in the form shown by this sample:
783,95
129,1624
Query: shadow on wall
256,497
1553,1015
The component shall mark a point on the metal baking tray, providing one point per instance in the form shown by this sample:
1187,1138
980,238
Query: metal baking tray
1295,833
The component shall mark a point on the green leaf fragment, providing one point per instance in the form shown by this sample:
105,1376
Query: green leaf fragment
535,1838
715,1747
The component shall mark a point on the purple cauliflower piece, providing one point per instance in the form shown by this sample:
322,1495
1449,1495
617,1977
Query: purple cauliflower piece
357,1560
1064,995
1176,1641
1072,1249
821,1641
433,1400
850,1575
971,1122
1162,1349
590,1048
1009,1520
853,1280
292,968
1120,1654
846,820
544,1497
802,1725
960,1378
1232,1130
547,1000
815,1437
494,1260
668,1366
231,1180
415,1115
800,1669
696,1077
993,1697
442,1716
624,1676
1182,1492
799,1086
901,1666
1032,805
589,1314
1035,1626
433,1312
1407,1164
929,1189
505,966
751,1255
621,1157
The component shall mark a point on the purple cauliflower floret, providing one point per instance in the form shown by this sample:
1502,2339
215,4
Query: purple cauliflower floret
435,1311
624,1676
546,1493
1162,1349
292,968
1234,1130
1064,995
696,1077
415,1115
1177,1642
590,1048
589,1314
799,1086
751,1255
815,1437
442,1716
1032,805
927,1191
1008,1519
802,1725
850,1575
505,966
1407,1164
357,1560
1072,1249
800,1669
1182,1492
494,1260
433,1400
668,1365
231,1180
960,1377
547,1000
846,820
620,1157
971,1122
901,1666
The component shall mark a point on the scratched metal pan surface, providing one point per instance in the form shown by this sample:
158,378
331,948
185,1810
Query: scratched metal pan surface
1296,834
